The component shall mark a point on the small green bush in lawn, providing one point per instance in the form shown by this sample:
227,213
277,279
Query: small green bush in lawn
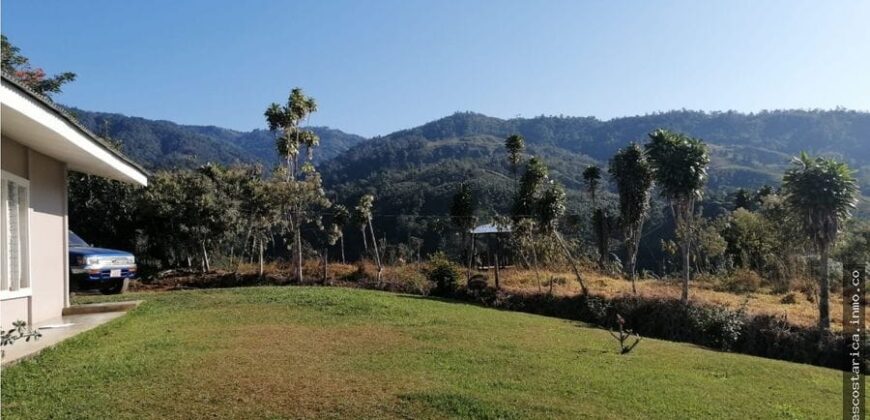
443,273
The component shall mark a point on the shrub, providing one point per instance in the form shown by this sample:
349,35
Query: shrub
365,271
740,281
477,282
443,273
407,278
597,308
719,327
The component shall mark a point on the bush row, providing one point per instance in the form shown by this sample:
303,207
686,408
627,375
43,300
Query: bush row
716,327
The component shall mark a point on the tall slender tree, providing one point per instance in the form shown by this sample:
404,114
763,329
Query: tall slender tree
679,166
360,220
820,194
285,121
523,210
364,210
634,178
550,209
462,216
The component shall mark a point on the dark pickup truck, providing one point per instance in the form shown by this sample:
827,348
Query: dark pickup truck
108,270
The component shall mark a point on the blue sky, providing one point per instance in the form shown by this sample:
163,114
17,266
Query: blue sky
379,66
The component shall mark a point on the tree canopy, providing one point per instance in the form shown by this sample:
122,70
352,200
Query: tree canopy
14,63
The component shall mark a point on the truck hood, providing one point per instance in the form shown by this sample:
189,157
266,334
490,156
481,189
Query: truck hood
87,251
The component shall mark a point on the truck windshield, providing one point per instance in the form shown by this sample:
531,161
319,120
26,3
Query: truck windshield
75,240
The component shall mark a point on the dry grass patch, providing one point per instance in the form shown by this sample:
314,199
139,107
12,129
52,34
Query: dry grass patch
763,302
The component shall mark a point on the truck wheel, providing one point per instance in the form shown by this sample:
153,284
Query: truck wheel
118,286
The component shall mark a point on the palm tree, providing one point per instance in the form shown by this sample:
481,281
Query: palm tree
634,178
679,165
820,194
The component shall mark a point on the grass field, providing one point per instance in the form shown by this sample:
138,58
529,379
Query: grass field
276,352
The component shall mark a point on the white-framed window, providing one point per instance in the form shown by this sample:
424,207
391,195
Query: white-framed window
14,236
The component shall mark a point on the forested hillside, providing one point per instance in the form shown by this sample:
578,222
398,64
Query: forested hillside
415,172
167,145
748,150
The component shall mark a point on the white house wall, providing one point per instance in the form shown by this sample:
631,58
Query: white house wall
48,253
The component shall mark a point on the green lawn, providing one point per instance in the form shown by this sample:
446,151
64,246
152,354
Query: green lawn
275,352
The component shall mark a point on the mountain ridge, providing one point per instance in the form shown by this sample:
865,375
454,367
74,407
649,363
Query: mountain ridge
163,144
747,149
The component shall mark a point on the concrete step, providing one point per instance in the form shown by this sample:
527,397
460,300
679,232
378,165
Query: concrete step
95,308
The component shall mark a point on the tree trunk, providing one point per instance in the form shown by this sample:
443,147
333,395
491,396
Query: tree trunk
497,286
341,239
261,257
470,257
377,254
365,241
206,263
684,298
574,267
325,265
824,291
632,245
298,252
601,241
537,273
